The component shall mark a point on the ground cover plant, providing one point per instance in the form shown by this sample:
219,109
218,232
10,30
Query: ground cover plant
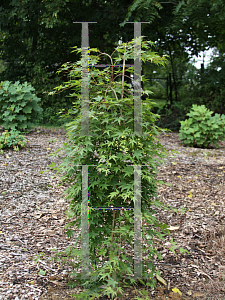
12,139
111,144
19,107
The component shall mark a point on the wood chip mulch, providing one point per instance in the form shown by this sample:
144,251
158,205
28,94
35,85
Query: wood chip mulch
32,220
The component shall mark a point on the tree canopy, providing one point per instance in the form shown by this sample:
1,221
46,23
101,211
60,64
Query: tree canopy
37,36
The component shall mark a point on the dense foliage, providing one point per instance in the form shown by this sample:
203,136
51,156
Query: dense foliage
209,88
112,147
201,128
12,139
19,107
36,37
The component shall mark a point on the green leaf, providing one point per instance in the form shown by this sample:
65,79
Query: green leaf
160,279
108,152
10,118
18,109
27,109
41,272
21,118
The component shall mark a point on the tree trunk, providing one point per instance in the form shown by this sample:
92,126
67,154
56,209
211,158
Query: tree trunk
173,72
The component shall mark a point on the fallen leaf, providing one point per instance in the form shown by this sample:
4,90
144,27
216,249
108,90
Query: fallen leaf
176,290
172,228
190,195
160,279
41,272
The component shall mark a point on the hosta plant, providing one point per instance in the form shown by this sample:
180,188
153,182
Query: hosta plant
19,107
113,148
12,139
201,128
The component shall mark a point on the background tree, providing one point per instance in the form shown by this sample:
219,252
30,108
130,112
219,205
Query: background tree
183,29
37,37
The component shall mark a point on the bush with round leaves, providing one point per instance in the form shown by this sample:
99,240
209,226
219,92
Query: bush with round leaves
19,106
202,129
12,139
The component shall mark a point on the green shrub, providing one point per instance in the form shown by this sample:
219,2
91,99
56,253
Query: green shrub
202,129
19,107
12,139
113,148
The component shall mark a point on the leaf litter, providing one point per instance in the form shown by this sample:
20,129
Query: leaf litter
32,209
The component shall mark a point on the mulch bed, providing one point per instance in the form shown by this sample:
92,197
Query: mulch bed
32,220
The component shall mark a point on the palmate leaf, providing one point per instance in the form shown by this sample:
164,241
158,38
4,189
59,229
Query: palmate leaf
21,126
27,97
21,118
6,113
23,103
27,109
21,96
18,109
10,118
202,128
110,180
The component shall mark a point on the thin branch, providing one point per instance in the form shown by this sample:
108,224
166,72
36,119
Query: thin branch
123,77
115,94
110,60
